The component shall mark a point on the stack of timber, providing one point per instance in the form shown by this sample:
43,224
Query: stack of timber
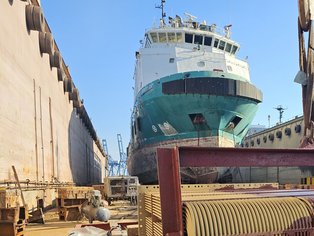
8,198
69,202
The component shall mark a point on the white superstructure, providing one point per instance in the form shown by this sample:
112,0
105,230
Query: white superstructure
188,46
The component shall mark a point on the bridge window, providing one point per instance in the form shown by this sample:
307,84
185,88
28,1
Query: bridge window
234,49
222,45
228,47
189,38
171,37
216,43
179,37
198,39
154,37
162,38
208,41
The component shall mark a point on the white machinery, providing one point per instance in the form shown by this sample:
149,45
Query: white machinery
94,208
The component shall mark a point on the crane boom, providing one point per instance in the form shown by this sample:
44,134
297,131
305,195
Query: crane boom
113,165
122,170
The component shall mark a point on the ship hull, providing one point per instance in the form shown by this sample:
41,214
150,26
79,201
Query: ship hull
143,163
203,110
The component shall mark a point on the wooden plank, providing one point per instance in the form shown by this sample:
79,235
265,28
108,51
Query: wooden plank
37,217
9,214
19,185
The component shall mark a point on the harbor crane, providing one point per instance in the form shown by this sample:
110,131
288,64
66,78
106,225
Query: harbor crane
112,164
122,170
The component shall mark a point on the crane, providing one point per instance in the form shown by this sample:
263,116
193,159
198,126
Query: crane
122,170
112,164
306,63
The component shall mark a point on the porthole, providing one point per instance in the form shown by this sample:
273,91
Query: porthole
258,141
287,131
271,137
265,139
297,128
279,134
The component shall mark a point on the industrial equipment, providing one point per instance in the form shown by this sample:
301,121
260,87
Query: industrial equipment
94,208
121,187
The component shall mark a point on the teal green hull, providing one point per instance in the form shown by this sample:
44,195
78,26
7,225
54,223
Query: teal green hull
166,116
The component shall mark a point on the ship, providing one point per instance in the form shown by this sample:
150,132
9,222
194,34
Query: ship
191,89
45,130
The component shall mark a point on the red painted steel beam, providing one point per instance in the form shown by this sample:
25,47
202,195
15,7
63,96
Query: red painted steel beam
169,161
244,157
170,192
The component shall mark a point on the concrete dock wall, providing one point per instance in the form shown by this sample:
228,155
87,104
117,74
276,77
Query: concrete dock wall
41,133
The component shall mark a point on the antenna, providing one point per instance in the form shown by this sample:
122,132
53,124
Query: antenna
161,6
189,17
228,31
281,110
268,121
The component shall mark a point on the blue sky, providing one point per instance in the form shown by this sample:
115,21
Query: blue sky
98,40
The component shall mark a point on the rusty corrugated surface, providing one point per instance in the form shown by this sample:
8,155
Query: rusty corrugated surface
241,209
245,216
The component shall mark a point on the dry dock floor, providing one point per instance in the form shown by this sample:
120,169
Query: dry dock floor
120,211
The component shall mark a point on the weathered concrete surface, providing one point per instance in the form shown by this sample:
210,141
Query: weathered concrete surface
268,139
285,141
40,132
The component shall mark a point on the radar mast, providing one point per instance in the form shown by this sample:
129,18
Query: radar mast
163,14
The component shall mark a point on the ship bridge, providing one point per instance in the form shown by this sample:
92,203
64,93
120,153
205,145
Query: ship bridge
194,33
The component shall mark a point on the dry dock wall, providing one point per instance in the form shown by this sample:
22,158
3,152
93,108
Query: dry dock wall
41,134
285,135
